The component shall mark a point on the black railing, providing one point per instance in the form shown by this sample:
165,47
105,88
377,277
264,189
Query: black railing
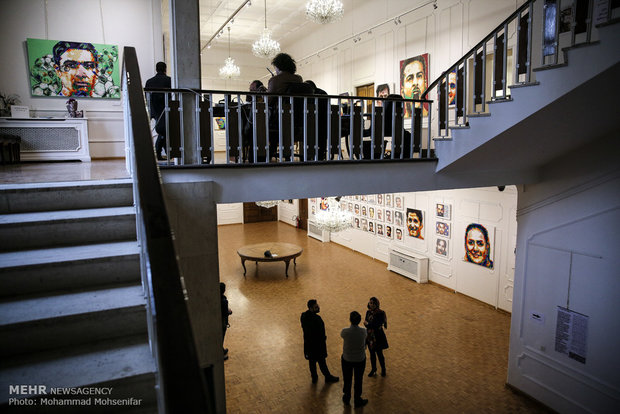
466,87
181,386
236,127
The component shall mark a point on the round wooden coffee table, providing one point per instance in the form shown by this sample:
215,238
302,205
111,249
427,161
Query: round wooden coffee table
279,252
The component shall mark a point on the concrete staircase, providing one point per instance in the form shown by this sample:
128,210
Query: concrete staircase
72,307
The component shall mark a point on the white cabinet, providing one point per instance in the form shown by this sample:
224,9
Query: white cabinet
408,264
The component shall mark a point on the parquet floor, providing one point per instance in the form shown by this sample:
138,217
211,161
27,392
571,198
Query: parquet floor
448,353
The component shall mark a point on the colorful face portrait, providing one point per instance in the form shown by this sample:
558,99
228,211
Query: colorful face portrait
388,216
73,69
324,204
357,209
388,232
371,212
357,223
441,248
364,211
398,218
415,223
399,234
371,227
413,80
398,202
440,210
380,199
379,229
442,229
451,87
477,245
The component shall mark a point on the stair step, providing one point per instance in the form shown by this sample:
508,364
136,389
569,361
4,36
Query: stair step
23,198
34,323
73,267
60,228
125,364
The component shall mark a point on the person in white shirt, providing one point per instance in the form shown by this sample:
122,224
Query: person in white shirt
353,360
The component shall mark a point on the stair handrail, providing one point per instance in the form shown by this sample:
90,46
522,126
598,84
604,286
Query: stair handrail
181,386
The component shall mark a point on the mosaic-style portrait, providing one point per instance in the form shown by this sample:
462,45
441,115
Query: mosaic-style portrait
313,210
415,223
371,212
73,69
441,247
356,209
443,211
398,218
399,202
414,81
324,204
371,227
398,234
372,199
442,229
380,199
451,87
389,216
380,214
379,229
478,245
350,207
388,200
389,233
356,222
364,212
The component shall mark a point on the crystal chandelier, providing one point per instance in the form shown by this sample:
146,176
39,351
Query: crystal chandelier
324,11
229,70
334,219
268,203
265,47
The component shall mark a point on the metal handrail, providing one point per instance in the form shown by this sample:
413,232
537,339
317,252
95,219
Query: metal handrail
180,382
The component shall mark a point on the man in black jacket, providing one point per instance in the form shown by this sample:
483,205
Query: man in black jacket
315,347
158,103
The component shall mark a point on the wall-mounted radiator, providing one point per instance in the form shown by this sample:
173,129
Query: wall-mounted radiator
316,232
408,264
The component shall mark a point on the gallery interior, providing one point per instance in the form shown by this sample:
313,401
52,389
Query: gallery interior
490,247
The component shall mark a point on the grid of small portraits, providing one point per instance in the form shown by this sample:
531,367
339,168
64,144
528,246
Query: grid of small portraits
443,229
379,214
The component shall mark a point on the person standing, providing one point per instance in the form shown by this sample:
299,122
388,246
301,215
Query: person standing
315,346
353,360
226,312
158,103
376,340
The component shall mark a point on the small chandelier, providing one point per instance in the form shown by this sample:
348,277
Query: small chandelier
265,47
268,203
229,70
334,219
324,11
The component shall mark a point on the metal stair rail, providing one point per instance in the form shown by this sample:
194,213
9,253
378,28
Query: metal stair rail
182,385
462,91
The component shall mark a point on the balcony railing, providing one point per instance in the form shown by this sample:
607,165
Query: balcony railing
235,127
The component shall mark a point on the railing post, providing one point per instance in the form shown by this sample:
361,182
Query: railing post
181,129
240,124
212,146
228,126
197,124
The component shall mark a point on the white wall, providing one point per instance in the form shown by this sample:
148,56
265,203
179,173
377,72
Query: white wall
488,206
288,212
118,22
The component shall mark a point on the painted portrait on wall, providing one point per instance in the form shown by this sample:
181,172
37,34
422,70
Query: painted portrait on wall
414,80
371,227
324,204
73,69
389,216
389,233
379,229
380,199
451,87
415,223
442,228
443,211
356,222
398,218
399,202
479,244
441,247
364,224
398,234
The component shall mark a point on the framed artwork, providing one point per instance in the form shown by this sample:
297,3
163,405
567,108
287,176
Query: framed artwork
371,212
380,199
389,231
364,211
479,244
363,198
389,216
313,210
313,201
350,207
380,230
398,234
414,80
365,224
388,200
356,209
372,199
441,247
73,69
220,121
380,214
399,202
442,228
371,227
398,218
443,211
415,223
356,222
357,198
324,204
451,87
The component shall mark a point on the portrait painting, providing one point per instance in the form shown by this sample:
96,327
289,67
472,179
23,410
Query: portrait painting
364,212
389,216
388,200
356,222
379,229
442,228
441,247
372,199
389,232
313,210
380,214
399,202
414,81
371,227
398,218
357,209
380,199
398,234
443,211
324,204
364,224
479,242
371,212
350,207
415,223
73,69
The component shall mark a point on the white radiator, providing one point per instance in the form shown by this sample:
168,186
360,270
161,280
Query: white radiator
408,264
316,232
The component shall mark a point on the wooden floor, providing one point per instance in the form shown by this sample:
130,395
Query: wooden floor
448,353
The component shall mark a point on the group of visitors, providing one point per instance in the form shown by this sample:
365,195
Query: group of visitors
355,341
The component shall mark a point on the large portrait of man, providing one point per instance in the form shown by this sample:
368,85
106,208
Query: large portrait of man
414,81
415,223
478,244
73,69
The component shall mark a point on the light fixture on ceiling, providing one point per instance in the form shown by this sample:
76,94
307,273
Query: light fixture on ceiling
333,218
229,70
324,11
265,46
268,203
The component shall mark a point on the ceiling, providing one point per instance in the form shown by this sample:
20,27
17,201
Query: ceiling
285,18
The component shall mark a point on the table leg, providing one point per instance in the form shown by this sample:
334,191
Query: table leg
243,264
295,261
287,263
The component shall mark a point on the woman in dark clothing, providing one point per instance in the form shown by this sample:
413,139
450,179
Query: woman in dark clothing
376,340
